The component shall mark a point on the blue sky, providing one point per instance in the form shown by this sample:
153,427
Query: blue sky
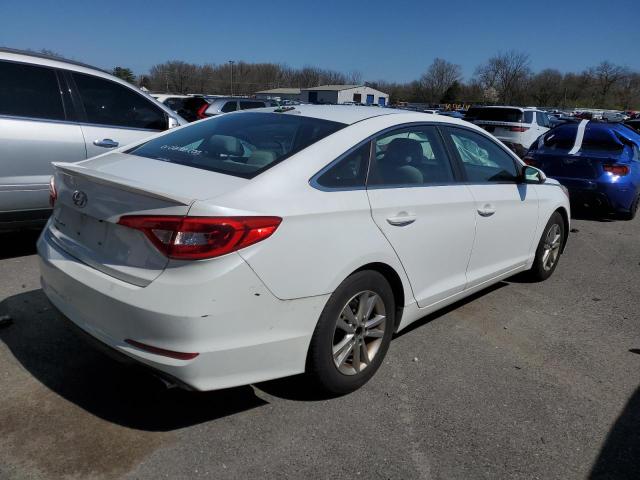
392,40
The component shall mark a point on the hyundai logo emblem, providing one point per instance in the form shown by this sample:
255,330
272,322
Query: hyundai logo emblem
79,198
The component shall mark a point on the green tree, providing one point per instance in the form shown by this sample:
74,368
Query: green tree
125,74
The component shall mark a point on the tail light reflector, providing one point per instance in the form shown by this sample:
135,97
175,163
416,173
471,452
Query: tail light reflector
194,238
200,113
53,193
161,351
620,170
518,129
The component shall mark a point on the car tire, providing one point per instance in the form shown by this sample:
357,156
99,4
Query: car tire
630,215
351,338
549,249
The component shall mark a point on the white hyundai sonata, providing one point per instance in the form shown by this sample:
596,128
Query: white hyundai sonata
262,244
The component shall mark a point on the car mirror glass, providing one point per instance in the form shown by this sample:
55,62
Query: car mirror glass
533,175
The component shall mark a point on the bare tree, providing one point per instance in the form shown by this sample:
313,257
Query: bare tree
605,77
507,73
545,88
438,78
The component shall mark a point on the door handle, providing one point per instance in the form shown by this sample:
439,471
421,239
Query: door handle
106,142
487,210
402,219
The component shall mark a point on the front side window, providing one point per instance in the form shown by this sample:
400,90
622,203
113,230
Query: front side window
349,172
109,103
413,156
243,144
483,160
30,91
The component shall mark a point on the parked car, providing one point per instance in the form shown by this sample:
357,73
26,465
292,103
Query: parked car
55,110
176,252
598,162
452,113
516,127
189,107
231,104
614,116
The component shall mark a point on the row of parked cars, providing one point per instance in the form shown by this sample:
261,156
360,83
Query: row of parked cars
597,160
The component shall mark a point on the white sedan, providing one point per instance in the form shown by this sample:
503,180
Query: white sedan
267,243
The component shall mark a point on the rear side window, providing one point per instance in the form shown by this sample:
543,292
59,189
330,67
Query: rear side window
483,160
30,91
109,103
243,144
512,115
229,107
249,105
527,117
349,172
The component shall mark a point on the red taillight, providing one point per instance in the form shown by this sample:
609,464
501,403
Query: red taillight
620,170
162,351
200,113
53,193
518,129
530,161
193,238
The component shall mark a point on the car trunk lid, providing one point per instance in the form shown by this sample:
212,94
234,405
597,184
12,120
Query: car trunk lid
94,195
569,166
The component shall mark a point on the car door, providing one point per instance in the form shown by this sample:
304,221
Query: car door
425,214
506,209
36,129
113,114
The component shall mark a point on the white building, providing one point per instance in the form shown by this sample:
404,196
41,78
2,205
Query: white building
344,94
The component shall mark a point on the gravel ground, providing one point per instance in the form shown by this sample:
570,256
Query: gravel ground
521,381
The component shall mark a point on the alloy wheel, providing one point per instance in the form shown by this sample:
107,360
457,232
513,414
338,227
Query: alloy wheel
552,244
358,332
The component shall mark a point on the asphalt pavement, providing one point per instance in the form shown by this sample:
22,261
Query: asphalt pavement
523,381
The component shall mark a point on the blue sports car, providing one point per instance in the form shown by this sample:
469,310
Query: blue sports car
599,163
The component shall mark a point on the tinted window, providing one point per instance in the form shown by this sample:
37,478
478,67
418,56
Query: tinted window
109,103
561,138
543,119
242,145
482,158
174,103
497,114
29,91
249,105
350,171
410,156
229,107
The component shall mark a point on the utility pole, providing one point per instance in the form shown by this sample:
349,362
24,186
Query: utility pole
231,62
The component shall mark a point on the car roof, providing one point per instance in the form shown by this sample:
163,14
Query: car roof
46,59
347,114
522,109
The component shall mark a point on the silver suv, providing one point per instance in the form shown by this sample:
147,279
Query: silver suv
54,110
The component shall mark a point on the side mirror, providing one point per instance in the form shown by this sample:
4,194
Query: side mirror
172,122
533,175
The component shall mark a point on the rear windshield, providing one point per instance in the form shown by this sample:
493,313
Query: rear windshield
600,140
561,138
239,144
497,114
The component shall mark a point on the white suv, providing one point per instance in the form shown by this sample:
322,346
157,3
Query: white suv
54,110
516,127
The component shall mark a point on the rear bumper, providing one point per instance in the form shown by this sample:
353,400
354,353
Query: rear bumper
600,195
219,309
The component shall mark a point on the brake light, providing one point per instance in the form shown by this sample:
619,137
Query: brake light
620,170
518,129
53,193
194,238
200,113
162,351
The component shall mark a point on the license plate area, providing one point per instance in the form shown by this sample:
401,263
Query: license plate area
80,228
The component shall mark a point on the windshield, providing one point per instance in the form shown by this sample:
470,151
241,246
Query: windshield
242,144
